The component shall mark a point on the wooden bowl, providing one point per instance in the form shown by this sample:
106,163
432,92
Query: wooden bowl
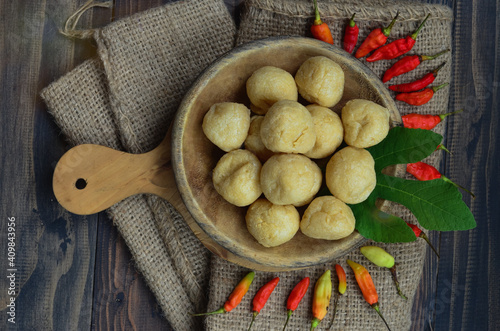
194,156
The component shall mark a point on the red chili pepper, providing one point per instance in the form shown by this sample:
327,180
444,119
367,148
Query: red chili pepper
397,47
321,299
423,171
407,64
261,297
421,97
235,297
419,83
420,234
375,39
295,297
320,29
367,287
427,122
351,35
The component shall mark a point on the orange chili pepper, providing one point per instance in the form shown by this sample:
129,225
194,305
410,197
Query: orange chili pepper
342,278
342,288
320,29
367,287
261,297
235,297
321,299
295,297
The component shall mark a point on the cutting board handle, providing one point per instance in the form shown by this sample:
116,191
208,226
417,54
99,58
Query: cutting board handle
91,178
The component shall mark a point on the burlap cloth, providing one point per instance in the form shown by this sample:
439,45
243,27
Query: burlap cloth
126,98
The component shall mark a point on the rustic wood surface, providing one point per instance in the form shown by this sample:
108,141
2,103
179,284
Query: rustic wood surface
75,272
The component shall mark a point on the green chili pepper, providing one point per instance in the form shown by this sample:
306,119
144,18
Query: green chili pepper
383,259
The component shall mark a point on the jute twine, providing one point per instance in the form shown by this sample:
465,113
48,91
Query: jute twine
127,97
70,29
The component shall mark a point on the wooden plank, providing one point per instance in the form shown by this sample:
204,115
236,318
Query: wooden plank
54,250
467,291
424,301
122,299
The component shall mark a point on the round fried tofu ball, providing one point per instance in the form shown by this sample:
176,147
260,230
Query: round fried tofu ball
272,225
253,142
268,85
365,123
350,174
290,179
329,132
236,177
327,218
288,127
321,81
226,125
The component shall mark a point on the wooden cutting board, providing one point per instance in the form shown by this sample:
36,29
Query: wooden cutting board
91,178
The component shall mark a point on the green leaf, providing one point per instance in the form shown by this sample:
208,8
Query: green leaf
379,226
436,204
403,146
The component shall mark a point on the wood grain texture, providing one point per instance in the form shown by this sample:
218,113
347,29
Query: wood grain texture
75,273
54,249
466,285
121,299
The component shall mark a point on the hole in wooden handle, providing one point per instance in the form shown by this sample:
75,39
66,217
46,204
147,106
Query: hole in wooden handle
81,183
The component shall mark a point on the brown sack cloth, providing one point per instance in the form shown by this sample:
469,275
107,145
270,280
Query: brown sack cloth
127,98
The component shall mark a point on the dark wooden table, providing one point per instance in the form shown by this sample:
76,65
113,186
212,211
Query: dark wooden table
75,272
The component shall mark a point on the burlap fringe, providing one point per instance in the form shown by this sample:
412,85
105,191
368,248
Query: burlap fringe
70,30
376,10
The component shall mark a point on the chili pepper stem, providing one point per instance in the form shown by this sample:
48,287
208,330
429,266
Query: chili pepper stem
317,18
436,88
431,57
435,71
255,313
443,116
314,323
396,282
288,315
387,31
446,179
335,302
424,236
415,34
377,309
352,24
218,311
441,147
